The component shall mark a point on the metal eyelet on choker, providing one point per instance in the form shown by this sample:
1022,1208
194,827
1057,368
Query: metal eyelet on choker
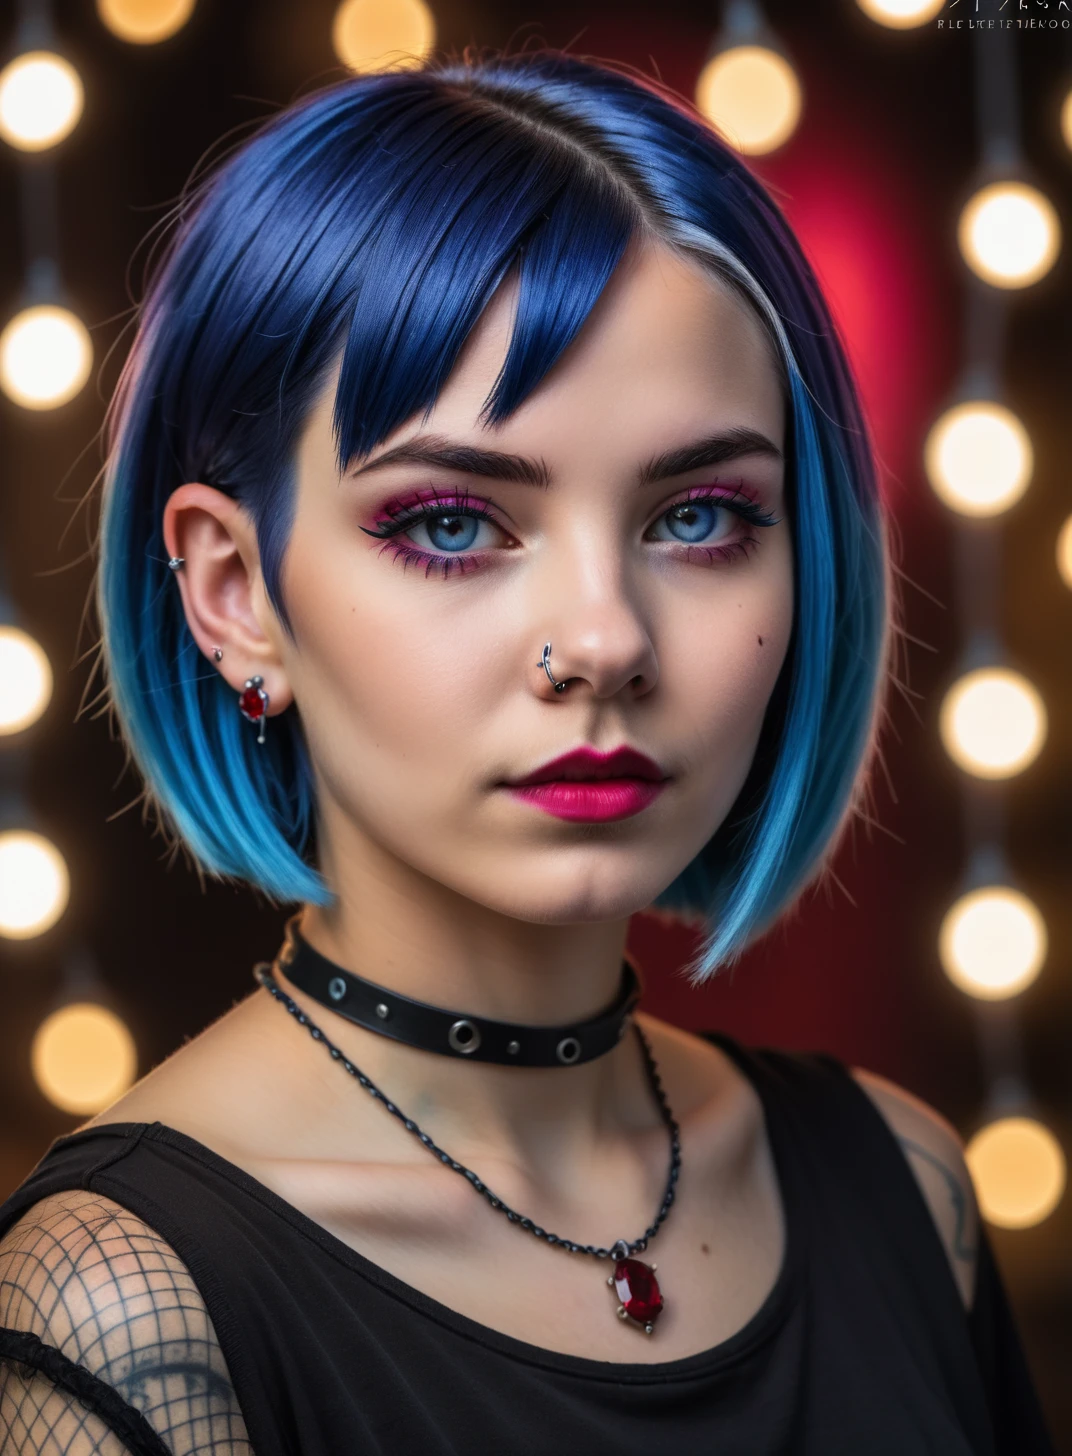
464,1037
449,1032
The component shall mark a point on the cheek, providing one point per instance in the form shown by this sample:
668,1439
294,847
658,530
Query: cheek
381,679
727,684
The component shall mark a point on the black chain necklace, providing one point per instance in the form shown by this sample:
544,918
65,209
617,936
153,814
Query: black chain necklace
634,1282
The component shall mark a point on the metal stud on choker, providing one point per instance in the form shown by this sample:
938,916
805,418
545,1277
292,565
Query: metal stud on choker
453,1033
640,1300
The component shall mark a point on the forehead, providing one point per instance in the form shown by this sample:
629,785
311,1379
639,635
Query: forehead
665,326
670,351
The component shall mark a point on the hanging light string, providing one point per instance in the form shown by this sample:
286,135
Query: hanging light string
40,102
993,722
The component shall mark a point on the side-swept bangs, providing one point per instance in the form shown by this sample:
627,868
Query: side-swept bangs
372,224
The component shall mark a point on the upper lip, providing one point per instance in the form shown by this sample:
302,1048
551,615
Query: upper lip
589,763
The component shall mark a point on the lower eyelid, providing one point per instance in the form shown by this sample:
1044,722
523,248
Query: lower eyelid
403,550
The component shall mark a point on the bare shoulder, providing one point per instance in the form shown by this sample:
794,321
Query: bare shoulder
695,1072
85,1276
935,1154
719,1110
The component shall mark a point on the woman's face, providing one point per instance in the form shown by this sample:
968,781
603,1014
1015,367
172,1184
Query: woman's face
631,513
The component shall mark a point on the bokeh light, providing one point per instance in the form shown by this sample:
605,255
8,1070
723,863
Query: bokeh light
34,884
368,35
83,1057
901,14
41,99
25,679
992,942
978,458
45,357
1009,234
752,95
1066,120
992,722
1018,1170
1064,553
144,22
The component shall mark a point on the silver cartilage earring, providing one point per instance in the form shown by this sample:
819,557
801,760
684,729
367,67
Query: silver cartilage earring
217,654
544,662
176,562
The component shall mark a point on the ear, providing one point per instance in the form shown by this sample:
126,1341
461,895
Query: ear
222,589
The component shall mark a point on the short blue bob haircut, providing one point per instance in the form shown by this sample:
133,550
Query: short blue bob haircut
372,222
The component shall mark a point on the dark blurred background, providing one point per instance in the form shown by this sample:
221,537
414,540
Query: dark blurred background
886,152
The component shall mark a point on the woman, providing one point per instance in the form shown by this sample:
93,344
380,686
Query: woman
487,437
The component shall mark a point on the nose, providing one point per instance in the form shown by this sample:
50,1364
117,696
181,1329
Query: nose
599,642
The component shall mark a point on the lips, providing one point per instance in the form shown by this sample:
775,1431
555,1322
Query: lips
587,764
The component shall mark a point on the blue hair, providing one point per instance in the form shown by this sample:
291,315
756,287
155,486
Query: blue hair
374,221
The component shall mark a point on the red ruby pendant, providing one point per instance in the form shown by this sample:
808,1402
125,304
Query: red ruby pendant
638,1291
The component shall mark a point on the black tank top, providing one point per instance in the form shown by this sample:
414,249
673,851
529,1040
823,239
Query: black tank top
862,1346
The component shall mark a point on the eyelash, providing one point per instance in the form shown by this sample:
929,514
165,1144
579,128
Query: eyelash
398,519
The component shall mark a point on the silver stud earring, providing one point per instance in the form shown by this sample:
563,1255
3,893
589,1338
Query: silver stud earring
544,662
176,562
217,654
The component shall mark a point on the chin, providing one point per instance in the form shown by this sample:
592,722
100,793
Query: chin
571,896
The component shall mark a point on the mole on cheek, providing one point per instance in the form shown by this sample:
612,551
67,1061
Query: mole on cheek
705,1249
760,641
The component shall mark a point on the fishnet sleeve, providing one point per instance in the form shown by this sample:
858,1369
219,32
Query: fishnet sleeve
106,1347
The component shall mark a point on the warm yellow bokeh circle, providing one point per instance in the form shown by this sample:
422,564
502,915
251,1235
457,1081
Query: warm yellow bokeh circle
1064,553
992,722
83,1057
368,35
978,458
34,884
25,679
1009,234
752,95
46,356
992,942
145,22
41,100
901,14
1018,1170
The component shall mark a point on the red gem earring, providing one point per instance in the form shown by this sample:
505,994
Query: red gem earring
253,704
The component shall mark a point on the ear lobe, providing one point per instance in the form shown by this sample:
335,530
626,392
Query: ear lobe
222,588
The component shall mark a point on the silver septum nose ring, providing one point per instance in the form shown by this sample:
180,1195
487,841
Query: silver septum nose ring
544,662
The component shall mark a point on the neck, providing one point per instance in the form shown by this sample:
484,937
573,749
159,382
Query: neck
414,936
417,937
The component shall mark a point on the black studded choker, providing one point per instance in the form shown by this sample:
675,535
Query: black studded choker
451,1033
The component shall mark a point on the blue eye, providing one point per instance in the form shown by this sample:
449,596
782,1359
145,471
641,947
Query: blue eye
451,532
693,521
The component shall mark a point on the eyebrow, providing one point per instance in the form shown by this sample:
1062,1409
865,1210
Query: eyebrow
711,450
435,450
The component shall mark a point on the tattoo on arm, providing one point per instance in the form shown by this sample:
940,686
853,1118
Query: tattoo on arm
963,1245
93,1281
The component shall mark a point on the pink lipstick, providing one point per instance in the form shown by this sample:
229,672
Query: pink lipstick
585,784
